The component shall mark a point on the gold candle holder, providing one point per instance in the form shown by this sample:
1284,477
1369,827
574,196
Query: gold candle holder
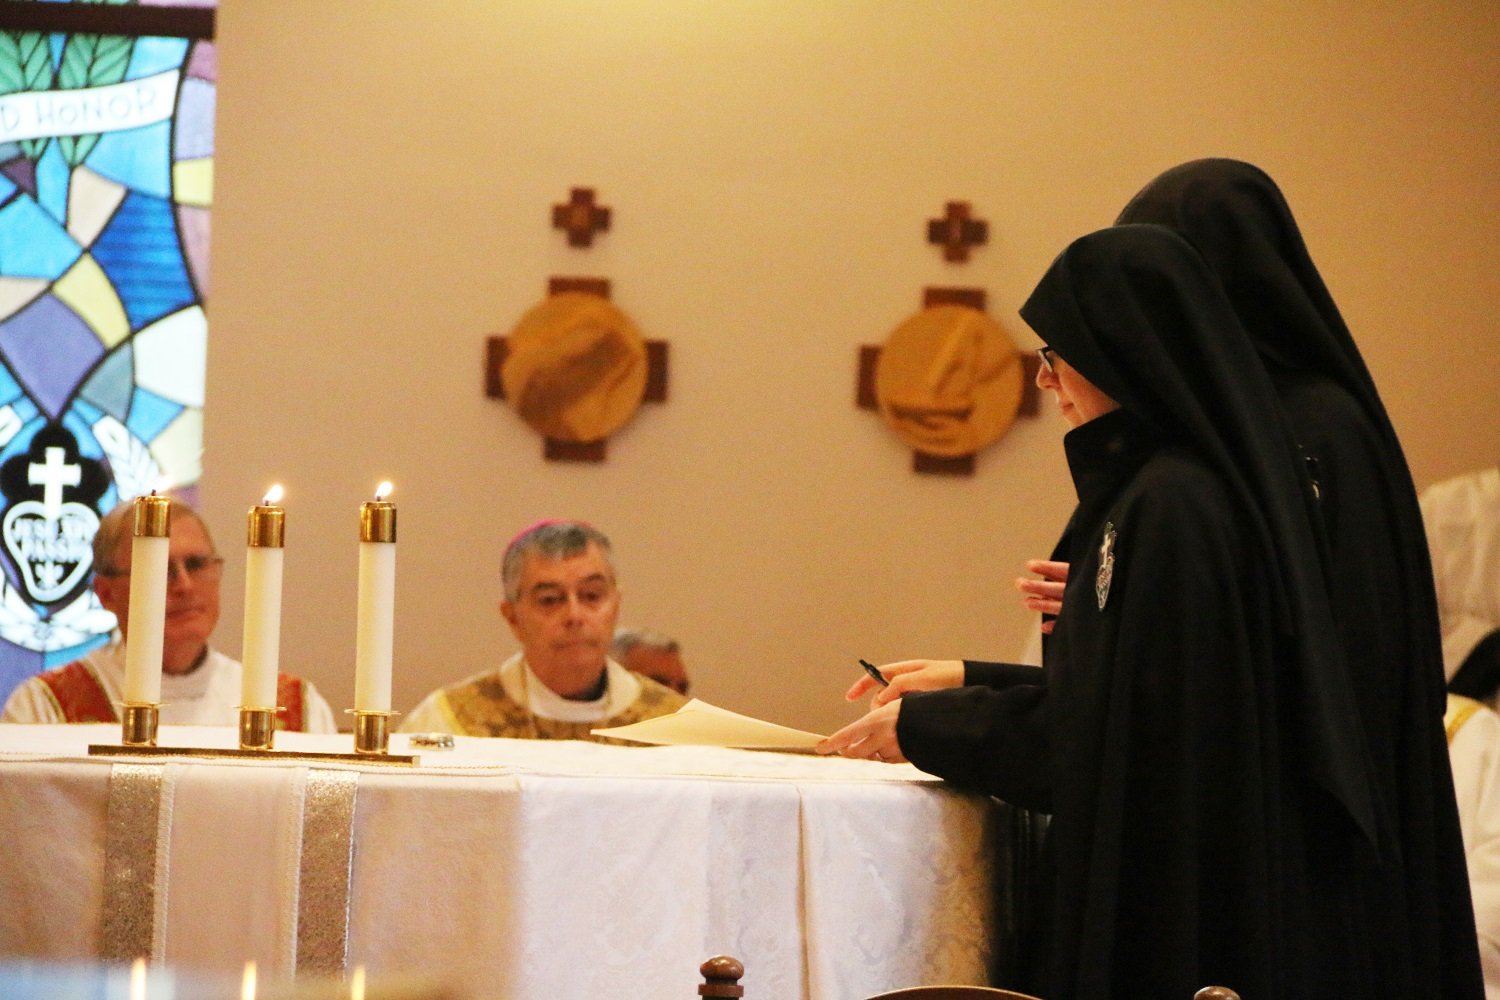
372,732
377,521
257,728
138,724
153,516
266,526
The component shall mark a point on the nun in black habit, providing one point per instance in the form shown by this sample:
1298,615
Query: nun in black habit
1192,732
1378,566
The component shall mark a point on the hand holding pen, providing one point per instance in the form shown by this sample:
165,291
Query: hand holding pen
893,680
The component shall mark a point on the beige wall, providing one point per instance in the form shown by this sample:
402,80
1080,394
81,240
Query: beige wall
385,172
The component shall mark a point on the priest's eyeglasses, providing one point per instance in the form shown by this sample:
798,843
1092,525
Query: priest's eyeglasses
1045,354
199,569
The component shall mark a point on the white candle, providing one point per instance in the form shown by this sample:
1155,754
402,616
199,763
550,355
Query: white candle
374,639
147,621
263,566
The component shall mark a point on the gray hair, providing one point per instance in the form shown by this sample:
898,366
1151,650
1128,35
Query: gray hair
550,540
627,639
119,524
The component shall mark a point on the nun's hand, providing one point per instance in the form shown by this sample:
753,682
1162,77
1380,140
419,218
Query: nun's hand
908,675
1044,595
870,738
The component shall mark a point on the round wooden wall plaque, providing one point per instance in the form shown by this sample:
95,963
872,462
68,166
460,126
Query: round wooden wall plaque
575,368
949,381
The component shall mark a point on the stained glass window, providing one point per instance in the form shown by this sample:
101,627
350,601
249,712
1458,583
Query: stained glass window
106,175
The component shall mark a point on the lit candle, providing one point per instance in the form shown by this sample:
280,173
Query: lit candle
263,560
376,620
147,620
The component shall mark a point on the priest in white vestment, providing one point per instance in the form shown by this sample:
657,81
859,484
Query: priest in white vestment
199,686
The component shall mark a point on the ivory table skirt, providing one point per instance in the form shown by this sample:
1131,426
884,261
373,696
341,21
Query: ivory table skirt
512,868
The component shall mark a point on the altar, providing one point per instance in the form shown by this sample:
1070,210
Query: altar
508,868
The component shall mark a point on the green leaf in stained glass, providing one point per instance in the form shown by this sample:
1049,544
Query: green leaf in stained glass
90,61
25,64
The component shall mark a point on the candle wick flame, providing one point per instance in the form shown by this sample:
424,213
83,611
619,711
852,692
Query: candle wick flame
273,495
383,490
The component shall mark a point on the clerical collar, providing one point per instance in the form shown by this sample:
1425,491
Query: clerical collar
526,689
188,686
192,667
598,691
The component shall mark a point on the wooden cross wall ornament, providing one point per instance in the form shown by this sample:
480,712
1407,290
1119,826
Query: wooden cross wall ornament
957,231
580,217
948,381
576,369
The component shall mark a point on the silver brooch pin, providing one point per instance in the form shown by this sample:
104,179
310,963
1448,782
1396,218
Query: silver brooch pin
1106,565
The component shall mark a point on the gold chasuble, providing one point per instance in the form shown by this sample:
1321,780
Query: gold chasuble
504,703
1459,711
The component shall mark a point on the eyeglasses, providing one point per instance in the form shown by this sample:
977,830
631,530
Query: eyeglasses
199,569
1045,354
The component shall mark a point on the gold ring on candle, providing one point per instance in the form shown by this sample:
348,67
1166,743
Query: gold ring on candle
153,516
377,521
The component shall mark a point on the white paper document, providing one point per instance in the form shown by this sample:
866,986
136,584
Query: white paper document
700,724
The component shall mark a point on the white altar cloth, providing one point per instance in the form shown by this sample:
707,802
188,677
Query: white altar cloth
516,868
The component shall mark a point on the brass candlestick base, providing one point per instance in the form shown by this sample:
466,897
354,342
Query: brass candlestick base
372,731
138,721
257,728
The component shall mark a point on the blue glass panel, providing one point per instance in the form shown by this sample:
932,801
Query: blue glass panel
80,420
52,178
9,390
110,386
25,408
32,244
140,253
156,55
150,414
136,158
22,439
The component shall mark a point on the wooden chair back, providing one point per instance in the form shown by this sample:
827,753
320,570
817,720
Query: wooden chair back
722,974
721,977
952,993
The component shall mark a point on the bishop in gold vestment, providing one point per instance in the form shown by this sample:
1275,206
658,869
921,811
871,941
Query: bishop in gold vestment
562,603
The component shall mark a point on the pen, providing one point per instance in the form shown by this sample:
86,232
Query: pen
873,672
